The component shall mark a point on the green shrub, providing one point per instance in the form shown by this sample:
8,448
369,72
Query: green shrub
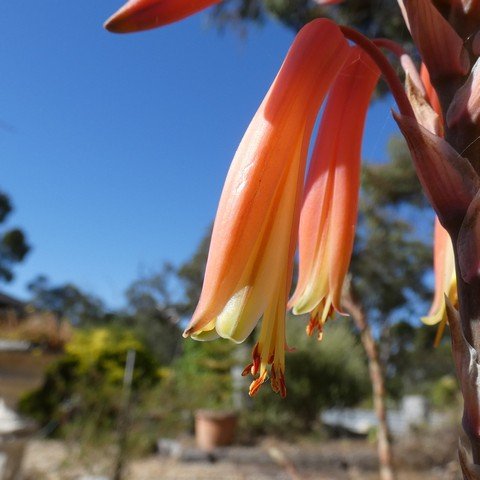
86,382
444,393
203,374
319,375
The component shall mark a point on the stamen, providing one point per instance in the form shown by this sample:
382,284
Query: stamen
312,324
320,334
319,317
257,383
247,370
268,369
283,387
277,381
256,360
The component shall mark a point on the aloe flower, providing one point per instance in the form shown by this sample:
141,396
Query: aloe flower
137,15
249,266
263,205
329,210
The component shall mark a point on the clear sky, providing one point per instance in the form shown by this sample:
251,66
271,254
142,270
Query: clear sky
114,148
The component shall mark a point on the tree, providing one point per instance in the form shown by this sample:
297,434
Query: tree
66,301
152,314
13,243
391,256
191,275
151,291
415,364
374,18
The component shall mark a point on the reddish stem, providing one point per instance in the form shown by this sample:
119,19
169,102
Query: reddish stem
394,47
383,64
407,63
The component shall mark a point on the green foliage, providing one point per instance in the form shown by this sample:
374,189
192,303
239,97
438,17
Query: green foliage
157,330
203,374
200,378
389,266
415,365
191,275
13,244
393,183
319,375
445,392
151,292
86,382
151,313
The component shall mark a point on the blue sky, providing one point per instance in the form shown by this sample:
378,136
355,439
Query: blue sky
114,148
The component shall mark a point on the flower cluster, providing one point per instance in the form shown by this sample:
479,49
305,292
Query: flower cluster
270,205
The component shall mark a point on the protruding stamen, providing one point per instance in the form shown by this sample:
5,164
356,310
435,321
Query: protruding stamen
283,387
256,360
257,383
318,318
247,370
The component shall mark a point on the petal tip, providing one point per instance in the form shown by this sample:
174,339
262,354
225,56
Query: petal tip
117,24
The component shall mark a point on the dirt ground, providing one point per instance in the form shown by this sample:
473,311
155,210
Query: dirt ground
270,460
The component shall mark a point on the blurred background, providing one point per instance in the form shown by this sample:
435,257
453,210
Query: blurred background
113,151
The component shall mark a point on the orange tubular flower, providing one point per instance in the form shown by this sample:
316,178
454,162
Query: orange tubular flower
137,15
329,211
445,279
249,265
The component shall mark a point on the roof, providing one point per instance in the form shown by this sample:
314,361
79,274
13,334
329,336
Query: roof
9,301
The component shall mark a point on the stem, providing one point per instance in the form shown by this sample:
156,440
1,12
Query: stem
391,45
405,61
383,64
384,447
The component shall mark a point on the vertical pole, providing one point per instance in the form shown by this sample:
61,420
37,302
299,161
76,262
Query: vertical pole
124,415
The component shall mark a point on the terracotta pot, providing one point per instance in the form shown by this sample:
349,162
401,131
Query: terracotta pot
214,428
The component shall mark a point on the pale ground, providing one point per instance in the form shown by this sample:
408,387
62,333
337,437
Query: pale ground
271,460
429,457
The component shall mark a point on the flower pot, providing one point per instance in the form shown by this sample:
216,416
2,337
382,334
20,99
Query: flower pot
214,428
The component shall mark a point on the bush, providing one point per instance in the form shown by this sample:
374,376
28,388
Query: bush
87,381
319,375
203,374
444,393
